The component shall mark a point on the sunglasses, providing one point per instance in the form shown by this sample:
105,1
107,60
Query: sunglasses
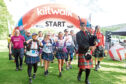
83,25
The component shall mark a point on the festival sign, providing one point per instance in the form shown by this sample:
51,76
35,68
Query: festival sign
50,16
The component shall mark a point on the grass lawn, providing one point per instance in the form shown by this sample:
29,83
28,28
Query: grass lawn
111,72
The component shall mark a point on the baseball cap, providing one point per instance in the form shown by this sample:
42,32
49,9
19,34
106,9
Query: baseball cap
82,24
34,34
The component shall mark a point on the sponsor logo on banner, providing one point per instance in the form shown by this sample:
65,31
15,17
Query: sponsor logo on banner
53,11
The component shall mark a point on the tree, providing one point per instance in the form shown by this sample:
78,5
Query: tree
4,17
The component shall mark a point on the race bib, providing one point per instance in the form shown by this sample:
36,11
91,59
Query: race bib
98,40
33,51
47,48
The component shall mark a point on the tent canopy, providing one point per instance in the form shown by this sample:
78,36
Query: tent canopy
121,32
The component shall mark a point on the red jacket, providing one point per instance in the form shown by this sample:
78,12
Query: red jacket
100,38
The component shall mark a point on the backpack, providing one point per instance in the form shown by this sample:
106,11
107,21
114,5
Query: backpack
28,46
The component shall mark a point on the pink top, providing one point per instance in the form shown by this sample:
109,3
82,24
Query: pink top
18,42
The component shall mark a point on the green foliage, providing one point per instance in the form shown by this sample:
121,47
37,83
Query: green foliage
4,17
44,31
104,29
112,28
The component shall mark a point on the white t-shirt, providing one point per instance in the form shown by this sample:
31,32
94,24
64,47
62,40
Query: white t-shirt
33,50
40,39
61,43
69,40
47,48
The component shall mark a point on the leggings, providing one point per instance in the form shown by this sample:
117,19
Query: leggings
30,68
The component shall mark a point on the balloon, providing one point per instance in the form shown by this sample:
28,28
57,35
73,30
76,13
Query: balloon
117,52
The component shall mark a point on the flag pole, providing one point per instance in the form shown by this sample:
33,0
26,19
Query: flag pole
9,27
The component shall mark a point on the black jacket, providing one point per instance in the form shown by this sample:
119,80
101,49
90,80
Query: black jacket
83,41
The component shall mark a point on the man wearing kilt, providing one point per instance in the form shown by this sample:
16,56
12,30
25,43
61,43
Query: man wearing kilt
84,46
32,55
60,52
99,51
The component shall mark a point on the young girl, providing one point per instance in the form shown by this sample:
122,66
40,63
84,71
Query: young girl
32,55
40,38
60,52
47,53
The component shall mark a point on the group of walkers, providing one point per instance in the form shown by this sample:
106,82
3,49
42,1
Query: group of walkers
44,48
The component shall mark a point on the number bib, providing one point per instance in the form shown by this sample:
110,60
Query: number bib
33,53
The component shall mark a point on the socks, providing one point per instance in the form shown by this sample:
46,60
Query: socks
34,73
98,62
30,77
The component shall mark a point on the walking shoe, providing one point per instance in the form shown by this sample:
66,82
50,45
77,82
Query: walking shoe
30,81
70,66
38,64
17,68
21,68
67,68
60,74
87,82
96,68
45,73
99,66
79,77
34,76
42,66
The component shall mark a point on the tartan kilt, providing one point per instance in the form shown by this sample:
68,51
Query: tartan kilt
60,55
47,56
83,63
32,60
98,53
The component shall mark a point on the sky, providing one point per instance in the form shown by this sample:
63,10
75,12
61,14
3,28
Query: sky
103,12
